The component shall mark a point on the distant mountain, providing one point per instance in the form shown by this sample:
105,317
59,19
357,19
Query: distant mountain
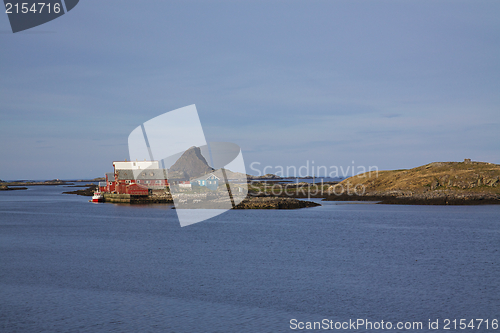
190,165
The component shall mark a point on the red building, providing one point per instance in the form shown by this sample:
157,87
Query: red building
135,178
126,182
110,182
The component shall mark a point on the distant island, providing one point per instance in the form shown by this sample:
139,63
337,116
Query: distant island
7,188
21,184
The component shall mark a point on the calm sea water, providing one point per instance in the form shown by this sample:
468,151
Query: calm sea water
67,265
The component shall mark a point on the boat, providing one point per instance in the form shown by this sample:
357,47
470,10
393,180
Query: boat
97,197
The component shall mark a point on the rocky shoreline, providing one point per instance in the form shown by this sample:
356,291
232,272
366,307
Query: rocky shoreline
442,198
427,197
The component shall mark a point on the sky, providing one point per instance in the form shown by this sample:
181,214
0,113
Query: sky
391,84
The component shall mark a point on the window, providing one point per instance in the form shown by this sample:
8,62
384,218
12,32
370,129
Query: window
157,182
127,182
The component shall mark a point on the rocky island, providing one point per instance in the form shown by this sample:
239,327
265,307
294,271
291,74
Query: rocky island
438,183
182,185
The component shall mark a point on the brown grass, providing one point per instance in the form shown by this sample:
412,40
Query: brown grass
460,176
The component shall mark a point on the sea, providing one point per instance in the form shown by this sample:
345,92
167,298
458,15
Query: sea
69,265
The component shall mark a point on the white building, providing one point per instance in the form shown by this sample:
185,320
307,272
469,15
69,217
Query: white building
137,165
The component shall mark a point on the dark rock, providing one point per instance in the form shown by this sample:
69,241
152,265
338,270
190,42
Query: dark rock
274,203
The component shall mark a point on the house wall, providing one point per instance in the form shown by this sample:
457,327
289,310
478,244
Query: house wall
121,188
110,184
135,189
152,182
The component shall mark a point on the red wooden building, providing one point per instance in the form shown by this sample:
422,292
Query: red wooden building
135,178
126,182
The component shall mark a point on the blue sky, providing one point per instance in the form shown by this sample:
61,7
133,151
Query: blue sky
393,84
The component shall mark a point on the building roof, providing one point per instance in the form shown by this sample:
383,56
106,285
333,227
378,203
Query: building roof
153,174
124,174
149,174
110,176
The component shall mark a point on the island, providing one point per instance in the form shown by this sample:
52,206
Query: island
7,188
191,183
438,183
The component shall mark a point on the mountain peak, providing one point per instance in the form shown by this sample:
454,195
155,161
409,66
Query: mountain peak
191,164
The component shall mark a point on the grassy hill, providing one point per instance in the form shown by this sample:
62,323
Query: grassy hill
438,176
